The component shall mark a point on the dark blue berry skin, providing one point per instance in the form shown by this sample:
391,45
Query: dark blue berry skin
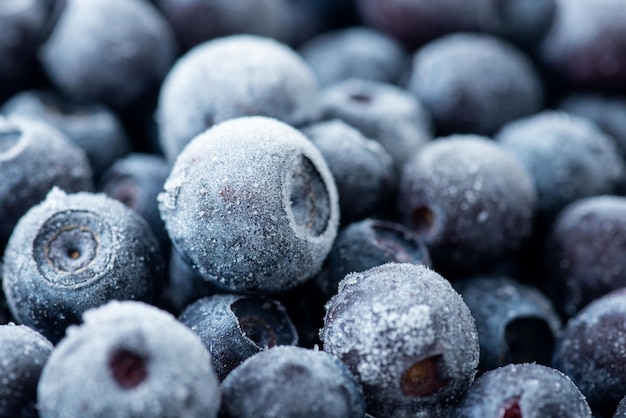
129,360
366,244
407,336
591,352
608,112
24,353
568,157
584,252
292,382
523,390
185,285
586,44
234,327
241,75
87,60
362,169
24,26
91,126
34,157
355,52
474,83
136,180
418,22
383,112
470,200
74,252
251,205
516,323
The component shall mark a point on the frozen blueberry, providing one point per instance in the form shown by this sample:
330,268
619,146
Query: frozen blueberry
355,52
591,351
474,83
567,156
136,180
292,382
24,26
114,51
366,244
524,22
584,253
523,390
516,323
92,126
234,327
239,75
407,336
362,169
251,205
586,44
608,112
24,353
74,252
129,359
383,112
470,200
34,157
419,21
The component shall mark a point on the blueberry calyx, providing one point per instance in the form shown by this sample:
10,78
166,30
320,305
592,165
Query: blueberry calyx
511,409
422,220
424,377
309,199
72,249
128,368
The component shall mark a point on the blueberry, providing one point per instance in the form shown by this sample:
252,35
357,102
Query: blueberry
91,126
234,327
516,323
88,60
251,205
470,200
620,412
74,252
362,169
591,351
584,252
567,156
407,336
355,52
586,44
523,390
24,353
129,359
608,112
136,180
474,83
292,382
383,112
420,21
366,244
241,75
34,157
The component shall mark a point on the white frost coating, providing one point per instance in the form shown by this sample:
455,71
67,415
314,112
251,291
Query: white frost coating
410,332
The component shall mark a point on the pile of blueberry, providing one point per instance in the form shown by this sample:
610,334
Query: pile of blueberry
313,208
